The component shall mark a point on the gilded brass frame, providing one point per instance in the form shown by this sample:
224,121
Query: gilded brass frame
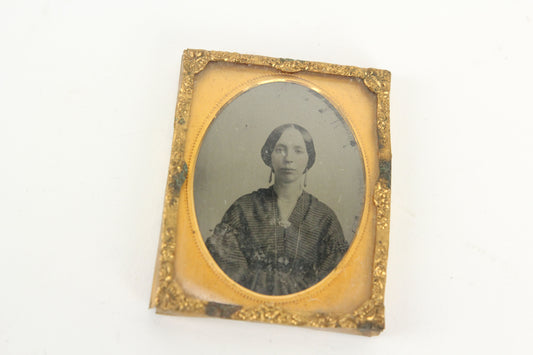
175,288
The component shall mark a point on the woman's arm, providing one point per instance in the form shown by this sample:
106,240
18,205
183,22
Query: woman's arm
225,247
332,248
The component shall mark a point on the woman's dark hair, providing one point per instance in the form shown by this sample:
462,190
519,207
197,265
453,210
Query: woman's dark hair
268,147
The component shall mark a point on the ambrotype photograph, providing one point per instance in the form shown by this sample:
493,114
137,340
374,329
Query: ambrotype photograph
278,188
277,202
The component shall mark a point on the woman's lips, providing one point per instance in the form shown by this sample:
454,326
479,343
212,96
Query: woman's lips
287,170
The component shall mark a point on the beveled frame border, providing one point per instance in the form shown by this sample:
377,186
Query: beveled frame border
168,296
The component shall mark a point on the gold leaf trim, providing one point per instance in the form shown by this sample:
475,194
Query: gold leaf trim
169,295
382,195
195,60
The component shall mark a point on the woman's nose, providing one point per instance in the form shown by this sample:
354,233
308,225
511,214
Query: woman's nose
289,157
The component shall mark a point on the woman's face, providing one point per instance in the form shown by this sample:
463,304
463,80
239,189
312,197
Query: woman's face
290,157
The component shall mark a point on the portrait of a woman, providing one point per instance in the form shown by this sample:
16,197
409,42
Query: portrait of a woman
281,239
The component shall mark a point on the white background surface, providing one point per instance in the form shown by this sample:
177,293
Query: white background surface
87,95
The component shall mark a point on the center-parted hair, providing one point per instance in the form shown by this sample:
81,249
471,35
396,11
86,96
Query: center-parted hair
273,138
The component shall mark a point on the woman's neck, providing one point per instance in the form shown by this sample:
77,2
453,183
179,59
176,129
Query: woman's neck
290,192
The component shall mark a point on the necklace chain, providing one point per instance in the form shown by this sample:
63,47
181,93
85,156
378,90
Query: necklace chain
285,224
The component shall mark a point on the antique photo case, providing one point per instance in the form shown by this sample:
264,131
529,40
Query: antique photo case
278,194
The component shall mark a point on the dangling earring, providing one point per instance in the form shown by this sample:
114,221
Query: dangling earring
270,179
305,179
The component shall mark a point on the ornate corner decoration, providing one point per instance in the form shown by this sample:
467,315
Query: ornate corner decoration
169,297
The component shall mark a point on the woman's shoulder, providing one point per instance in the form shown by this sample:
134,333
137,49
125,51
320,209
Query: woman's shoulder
256,196
325,218
319,207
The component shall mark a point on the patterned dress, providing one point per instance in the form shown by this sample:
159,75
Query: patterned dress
267,256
